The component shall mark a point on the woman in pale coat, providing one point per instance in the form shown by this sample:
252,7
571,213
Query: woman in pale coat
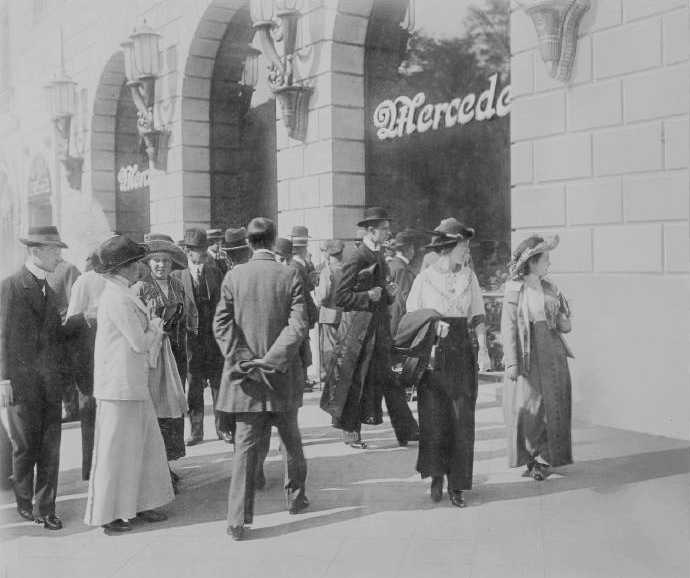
129,473
537,390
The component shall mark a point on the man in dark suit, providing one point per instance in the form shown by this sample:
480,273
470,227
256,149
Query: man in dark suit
30,352
402,274
205,362
260,324
362,373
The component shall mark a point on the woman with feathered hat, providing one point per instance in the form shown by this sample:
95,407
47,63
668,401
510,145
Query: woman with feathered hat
537,390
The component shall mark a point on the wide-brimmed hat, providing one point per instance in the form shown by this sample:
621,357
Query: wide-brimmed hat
448,233
157,237
46,235
215,235
299,236
176,254
195,238
531,246
236,238
118,251
283,247
334,247
373,215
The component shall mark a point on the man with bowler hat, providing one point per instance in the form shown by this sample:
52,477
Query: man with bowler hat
236,247
260,325
216,252
205,362
30,351
362,373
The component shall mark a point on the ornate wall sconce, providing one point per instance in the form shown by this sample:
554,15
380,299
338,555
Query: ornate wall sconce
557,23
62,104
142,67
276,22
250,76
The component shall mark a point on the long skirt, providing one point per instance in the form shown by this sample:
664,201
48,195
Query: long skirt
129,473
446,403
538,407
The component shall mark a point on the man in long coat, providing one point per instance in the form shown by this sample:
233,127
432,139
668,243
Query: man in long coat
31,339
362,374
260,324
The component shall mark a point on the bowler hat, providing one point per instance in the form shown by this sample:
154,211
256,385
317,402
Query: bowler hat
373,215
235,238
448,233
195,238
214,235
176,254
334,247
299,236
116,252
283,247
47,235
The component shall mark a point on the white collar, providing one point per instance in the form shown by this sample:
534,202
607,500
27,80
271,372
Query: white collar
402,257
196,267
370,244
35,270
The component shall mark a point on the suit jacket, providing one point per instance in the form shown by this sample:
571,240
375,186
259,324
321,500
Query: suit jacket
31,338
351,293
402,274
261,314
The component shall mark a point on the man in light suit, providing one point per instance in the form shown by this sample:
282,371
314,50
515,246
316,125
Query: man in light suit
31,340
260,324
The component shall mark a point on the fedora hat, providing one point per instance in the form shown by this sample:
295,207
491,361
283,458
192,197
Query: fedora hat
118,251
448,233
334,247
195,238
283,247
215,235
47,235
373,215
299,236
531,246
176,254
236,238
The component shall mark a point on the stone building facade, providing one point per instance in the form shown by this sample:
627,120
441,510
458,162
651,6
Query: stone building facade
601,159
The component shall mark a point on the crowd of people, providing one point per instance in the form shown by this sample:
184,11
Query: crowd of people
148,326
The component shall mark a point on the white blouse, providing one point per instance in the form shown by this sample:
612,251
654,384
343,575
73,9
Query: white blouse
451,293
534,296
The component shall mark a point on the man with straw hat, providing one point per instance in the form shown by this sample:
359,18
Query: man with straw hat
30,345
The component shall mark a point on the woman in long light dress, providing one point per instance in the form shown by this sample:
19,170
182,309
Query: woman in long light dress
129,473
537,388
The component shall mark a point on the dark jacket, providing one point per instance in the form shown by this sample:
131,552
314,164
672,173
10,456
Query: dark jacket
31,338
363,270
305,278
402,274
261,314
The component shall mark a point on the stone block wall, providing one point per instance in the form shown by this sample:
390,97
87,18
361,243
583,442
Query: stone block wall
603,161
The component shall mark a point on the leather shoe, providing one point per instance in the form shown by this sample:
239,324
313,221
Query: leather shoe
227,437
26,513
152,516
299,504
260,481
193,441
456,498
51,522
236,532
436,488
117,526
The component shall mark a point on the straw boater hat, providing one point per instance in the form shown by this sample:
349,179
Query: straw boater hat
167,247
283,247
195,239
116,252
47,235
373,215
235,238
299,236
533,245
448,233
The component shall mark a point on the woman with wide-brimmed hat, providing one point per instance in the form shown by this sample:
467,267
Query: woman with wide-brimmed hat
446,301
166,298
129,473
537,389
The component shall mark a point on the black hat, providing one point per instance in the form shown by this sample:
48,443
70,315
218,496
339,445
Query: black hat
236,238
373,215
195,238
283,247
118,251
448,233
299,236
47,235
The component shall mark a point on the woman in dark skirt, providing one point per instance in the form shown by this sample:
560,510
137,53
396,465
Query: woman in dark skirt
537,389
448,390
166,298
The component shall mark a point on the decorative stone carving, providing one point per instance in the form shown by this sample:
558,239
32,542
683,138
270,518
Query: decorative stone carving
557,23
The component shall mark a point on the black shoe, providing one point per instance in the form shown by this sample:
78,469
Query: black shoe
436,488
117,526
152,516
260,481
299,504
227,437
194,440
456,498
26,513
51,522
539,472
236,532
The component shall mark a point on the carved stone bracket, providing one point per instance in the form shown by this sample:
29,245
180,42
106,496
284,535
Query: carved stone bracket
557,23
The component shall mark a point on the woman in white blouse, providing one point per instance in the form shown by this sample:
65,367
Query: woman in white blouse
448,391
537,389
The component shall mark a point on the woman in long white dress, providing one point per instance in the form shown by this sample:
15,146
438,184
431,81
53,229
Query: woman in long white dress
129,474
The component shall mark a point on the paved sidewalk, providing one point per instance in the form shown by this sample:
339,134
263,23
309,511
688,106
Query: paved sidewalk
622,510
